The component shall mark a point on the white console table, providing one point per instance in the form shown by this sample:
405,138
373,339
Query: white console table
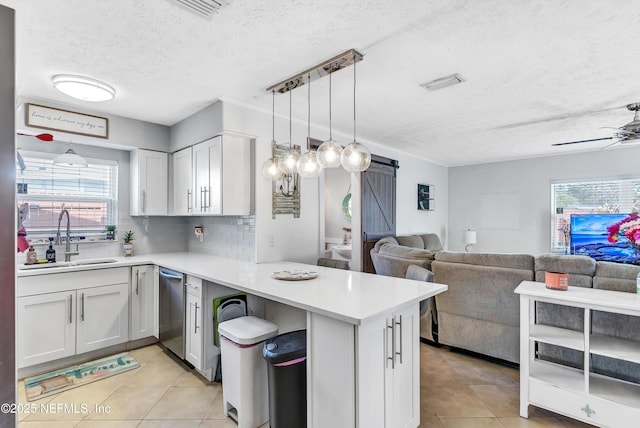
580,394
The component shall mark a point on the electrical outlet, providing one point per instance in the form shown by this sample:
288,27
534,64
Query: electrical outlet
239,222
271,241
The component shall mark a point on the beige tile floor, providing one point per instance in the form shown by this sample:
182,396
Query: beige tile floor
457,391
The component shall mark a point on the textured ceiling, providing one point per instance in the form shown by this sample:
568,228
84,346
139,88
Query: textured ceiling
537,72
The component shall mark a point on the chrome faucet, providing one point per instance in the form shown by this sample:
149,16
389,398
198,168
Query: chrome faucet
67,249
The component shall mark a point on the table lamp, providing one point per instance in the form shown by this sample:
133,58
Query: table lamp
469,239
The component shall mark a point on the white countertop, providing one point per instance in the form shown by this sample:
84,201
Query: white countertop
345,295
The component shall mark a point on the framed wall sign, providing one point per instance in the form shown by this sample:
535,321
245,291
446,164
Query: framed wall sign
426,199
72,122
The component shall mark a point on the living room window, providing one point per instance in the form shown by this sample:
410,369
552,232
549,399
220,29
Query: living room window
589,197
89,194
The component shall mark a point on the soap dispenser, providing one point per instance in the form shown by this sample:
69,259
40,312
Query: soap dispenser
32,256
51,253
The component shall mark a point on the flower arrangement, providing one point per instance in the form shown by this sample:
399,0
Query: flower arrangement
627,228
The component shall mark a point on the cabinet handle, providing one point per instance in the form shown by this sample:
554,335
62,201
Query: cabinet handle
195,320
137,281
70,308
201,192
82,307
393,343
144,201
400,324
207,199
189,208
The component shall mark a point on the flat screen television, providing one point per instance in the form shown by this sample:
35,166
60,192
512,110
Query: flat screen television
589,238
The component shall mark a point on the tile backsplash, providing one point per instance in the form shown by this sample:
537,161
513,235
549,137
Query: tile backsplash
232,237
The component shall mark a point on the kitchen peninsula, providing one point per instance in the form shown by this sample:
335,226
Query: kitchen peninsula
362,331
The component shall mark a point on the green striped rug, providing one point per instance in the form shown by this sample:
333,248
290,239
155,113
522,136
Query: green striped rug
82,374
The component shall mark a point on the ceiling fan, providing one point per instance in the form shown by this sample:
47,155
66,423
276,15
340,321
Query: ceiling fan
626,134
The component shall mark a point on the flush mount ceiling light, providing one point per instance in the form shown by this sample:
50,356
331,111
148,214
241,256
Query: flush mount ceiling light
443,82
83,88
70,159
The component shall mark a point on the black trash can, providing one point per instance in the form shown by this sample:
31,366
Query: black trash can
286,357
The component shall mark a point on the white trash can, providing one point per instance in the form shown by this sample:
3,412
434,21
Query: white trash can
244,372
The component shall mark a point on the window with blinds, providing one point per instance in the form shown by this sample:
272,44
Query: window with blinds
589,197
89,194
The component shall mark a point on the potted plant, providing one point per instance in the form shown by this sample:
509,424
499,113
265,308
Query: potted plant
127,244
111,231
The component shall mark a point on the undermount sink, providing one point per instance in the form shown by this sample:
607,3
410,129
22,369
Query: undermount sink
67,264
91,262
341,252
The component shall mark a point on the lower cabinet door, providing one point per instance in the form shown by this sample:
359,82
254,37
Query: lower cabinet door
102,316
46,327
193,327
142,302
406,374
389,370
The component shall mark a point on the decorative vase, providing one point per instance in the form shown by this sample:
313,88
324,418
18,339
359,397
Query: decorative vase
128,249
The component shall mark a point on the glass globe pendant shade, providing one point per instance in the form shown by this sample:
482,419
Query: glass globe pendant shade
288,162
329,154
308,165
355,157
270,170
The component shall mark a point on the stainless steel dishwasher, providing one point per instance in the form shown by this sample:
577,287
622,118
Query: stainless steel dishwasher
172,311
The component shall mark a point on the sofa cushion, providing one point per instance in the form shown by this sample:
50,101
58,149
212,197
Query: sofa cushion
579,268
383,241
509,261
405,252
581,265
616,276
431,242
413,241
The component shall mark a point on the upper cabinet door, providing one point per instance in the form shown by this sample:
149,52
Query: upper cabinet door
201,173
222,177
235,175
183,195
149,182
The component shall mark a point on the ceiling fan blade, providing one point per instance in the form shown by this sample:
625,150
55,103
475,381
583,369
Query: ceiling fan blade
609,145
582,141
617,130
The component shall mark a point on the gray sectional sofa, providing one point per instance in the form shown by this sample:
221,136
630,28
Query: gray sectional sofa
392,255
480,311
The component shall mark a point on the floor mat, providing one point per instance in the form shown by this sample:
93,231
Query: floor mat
54,382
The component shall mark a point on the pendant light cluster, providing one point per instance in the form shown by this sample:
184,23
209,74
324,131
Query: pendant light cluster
353,158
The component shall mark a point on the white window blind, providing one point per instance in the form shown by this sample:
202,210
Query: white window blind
589,197
89,194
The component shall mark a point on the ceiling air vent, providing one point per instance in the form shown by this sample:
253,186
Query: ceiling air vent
443,82
206,8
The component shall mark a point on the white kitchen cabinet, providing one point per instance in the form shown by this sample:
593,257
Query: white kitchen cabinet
182,182
388,373
193,322
142,302
71,313
46,327
149,182
222,176
102,317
